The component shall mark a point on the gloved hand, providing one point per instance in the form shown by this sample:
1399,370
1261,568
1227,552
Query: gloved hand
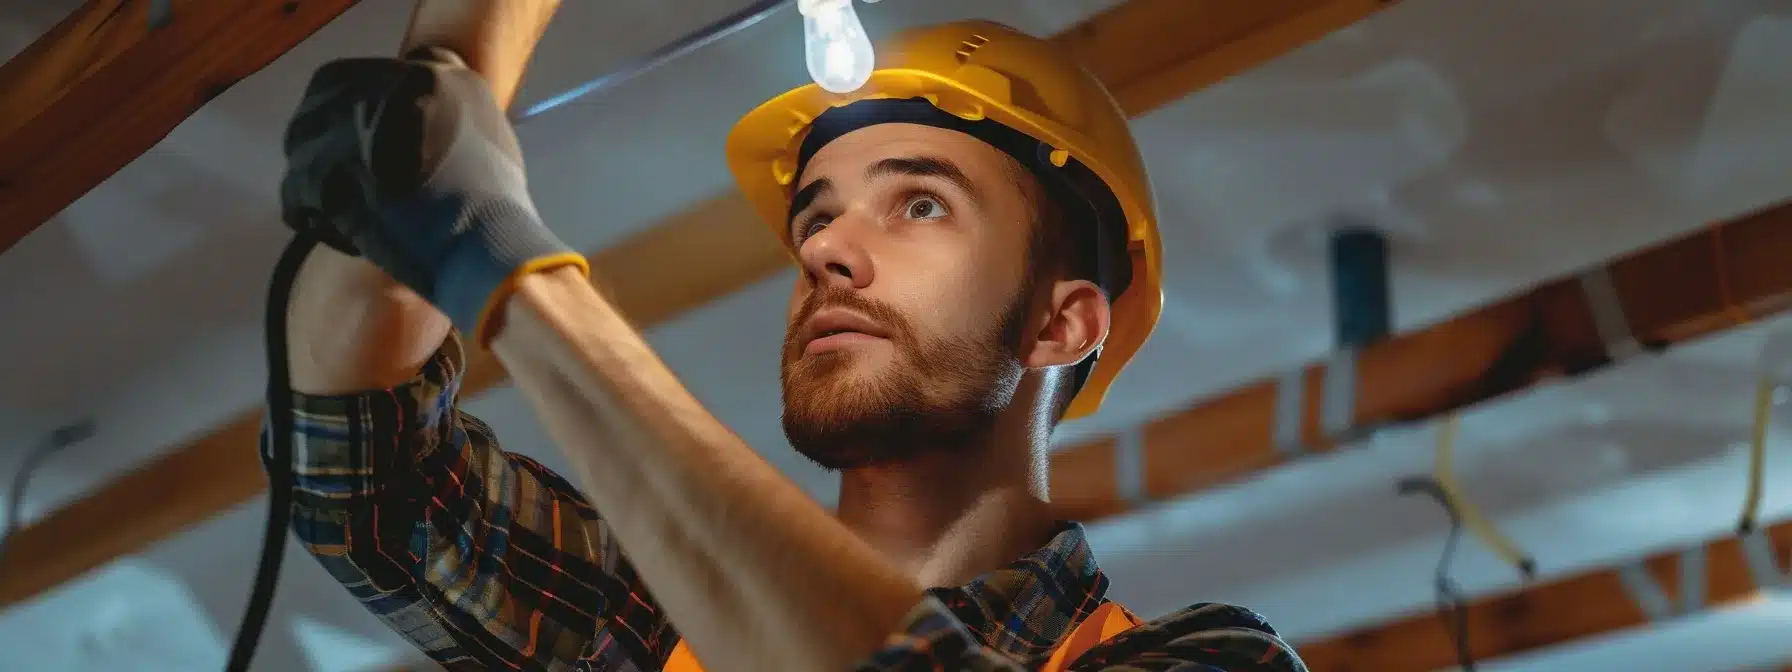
410,163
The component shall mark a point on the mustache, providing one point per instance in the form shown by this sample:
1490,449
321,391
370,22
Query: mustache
835,296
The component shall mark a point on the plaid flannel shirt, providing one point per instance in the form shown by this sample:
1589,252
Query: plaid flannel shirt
489,561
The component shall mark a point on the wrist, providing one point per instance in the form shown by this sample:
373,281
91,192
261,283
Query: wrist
502,243
539,308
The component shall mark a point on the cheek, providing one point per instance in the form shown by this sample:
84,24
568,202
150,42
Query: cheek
955,303
951,284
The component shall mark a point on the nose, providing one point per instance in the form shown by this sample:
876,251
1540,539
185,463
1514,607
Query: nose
836,255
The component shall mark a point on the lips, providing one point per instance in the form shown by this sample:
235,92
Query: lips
838,321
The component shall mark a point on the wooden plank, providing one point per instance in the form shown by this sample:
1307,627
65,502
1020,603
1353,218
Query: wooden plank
1584,605
1146,44
1151,53
174,491
1689,287
105,85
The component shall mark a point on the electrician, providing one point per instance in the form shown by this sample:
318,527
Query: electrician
978,260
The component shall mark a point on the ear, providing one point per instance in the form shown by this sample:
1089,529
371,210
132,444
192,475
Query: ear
1076,323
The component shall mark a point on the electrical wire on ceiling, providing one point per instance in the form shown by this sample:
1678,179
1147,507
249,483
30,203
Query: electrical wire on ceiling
1765,388
723,27
1452,605
836,50
58,439
1444,475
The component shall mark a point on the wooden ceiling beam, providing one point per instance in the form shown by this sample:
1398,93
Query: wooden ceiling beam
1580,606
1721,276
110,81
1152,52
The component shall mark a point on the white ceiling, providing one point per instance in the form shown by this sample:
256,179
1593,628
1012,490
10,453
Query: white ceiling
1499,143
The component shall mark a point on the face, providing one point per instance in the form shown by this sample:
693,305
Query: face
909,325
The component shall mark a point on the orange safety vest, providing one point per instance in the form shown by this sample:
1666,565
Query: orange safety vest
1109,619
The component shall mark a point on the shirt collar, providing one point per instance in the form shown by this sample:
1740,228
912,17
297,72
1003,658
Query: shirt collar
1023,609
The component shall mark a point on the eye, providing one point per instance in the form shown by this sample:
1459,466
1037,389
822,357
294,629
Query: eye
811,226
924,207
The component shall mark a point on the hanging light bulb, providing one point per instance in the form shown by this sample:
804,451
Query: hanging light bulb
834,44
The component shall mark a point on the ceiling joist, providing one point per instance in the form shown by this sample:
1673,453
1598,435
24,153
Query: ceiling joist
114,78
1151,52
1725,275
1560,611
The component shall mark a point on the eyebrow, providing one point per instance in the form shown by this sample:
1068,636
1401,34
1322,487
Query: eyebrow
922,166
915,166
805,197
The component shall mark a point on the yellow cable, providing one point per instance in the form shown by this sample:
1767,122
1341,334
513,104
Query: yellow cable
1757,453
1500,544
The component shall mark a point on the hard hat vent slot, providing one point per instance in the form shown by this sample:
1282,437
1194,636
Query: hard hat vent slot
970,46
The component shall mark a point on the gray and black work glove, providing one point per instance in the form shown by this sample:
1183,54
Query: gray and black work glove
411,163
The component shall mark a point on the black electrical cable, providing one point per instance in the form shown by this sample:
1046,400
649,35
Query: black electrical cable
278,457
1452,605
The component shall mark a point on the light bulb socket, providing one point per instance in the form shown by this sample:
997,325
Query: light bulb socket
813,8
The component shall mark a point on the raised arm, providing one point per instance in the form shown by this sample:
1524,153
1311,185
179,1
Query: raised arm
484,559
352,327
736,553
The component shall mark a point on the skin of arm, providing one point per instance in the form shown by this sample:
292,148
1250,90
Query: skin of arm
352,327
753,573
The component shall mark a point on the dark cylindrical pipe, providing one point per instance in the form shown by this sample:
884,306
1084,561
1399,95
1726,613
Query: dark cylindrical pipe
1361,305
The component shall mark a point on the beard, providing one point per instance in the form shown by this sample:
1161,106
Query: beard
938,395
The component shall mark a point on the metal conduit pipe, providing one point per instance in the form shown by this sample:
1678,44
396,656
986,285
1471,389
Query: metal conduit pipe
1361,305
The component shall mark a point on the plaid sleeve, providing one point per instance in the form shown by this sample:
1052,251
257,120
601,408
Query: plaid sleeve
484,559
1207,637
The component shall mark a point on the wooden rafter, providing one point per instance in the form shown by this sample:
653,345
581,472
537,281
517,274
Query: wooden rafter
1560,611
114,78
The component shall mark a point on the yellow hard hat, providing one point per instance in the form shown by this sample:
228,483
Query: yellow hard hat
978,72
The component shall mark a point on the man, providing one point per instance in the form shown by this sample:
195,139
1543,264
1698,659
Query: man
959,276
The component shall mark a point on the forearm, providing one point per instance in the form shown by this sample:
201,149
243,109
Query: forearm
352,328
750,570
494,37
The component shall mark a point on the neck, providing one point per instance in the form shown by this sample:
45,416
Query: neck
950,516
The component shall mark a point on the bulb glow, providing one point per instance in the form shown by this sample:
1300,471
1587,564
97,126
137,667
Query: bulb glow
834,44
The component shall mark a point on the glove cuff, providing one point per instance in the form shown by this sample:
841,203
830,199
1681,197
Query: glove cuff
504,242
